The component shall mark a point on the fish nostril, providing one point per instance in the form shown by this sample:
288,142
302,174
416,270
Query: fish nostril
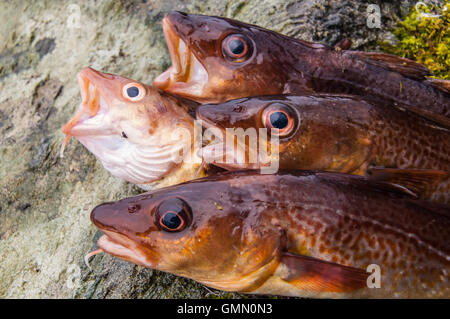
134,208
239,108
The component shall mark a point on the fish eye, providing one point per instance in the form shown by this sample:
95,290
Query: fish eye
173,215
279,119
236,48
133,92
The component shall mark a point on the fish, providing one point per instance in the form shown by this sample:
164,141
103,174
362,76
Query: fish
294,233
340,133
216,59
138,133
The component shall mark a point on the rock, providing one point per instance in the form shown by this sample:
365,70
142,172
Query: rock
45,201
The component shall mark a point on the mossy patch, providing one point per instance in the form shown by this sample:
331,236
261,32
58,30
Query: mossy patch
425,37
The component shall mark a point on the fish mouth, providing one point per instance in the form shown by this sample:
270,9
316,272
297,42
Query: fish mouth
222,154
92,103
187,76
123,247
88,120
219,153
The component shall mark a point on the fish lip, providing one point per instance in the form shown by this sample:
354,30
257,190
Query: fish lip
187,75
217,159
89,107
91,104
172,41
208,124
121,246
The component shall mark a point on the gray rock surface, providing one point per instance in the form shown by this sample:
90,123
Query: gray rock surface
45,201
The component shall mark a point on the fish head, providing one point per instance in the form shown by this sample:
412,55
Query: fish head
127,125
203,230
301,132
217,59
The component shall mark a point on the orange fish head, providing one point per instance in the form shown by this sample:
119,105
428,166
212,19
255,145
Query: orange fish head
103,93
191,230
217,59
127,125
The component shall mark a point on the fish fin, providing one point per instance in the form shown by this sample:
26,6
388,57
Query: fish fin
417,181
391,62
312,274
443,85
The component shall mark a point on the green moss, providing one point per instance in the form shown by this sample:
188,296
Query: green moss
425,39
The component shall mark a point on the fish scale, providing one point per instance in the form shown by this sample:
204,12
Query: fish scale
295,233
406,141
321,222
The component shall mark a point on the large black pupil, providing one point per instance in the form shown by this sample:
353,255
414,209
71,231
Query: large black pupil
171,220
133,91
278,120
236,46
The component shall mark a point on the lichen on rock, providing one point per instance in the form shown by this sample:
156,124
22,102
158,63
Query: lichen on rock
424,36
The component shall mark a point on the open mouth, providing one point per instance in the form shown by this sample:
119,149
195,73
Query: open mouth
217,151
85,121
226,151
120,246
90,103
187,75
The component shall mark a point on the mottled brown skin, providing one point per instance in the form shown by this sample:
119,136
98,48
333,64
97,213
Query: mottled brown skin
279,65
342,133
250,232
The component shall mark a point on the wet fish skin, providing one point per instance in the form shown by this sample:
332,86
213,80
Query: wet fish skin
269,234
339,133
132,136
277,64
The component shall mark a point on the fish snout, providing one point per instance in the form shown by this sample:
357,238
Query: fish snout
125,216
206,114
99,215
181,22
119,233
213,115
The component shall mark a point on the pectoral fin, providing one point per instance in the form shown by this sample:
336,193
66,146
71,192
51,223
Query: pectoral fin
312,274
418,181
